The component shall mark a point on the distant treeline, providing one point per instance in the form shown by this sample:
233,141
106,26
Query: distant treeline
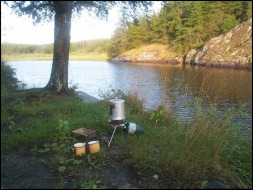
182,25
98,46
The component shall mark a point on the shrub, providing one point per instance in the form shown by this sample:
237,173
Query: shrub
8,80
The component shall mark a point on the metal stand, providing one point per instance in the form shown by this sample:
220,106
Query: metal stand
120,125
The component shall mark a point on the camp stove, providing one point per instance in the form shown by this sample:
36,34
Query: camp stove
117,114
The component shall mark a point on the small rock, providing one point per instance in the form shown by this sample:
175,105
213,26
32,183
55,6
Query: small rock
155,177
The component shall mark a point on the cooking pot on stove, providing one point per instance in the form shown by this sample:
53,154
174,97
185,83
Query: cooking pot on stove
117,111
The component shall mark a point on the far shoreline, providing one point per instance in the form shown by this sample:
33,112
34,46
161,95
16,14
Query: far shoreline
148,62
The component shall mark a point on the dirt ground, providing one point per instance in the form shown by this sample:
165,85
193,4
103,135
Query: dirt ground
27,172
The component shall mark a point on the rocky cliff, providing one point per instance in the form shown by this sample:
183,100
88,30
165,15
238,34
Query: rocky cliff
233,49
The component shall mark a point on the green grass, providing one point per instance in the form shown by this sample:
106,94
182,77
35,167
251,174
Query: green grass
163,51
210,146
73,56
22,57
88,56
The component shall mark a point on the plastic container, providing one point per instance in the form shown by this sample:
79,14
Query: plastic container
132,128
94,146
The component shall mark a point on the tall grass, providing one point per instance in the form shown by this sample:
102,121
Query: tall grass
210,145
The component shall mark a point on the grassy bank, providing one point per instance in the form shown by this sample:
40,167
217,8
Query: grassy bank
184,156
159,51
38,56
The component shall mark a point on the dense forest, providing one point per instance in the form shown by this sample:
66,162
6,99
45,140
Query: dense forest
181,25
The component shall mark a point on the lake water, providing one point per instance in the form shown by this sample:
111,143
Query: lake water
174,86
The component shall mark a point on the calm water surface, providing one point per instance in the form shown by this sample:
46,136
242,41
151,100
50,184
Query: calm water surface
174,86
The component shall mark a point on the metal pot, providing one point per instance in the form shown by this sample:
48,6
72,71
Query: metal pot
117,111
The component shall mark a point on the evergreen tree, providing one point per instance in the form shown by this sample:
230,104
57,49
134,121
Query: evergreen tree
118,43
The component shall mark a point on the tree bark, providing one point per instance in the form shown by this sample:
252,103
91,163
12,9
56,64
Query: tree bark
58,81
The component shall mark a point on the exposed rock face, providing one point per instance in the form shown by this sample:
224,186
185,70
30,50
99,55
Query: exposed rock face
151,56
120,59
233,49
148,56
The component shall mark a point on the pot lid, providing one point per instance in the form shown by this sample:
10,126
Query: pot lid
117,101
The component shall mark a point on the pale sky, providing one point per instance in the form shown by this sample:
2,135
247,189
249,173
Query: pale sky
20,30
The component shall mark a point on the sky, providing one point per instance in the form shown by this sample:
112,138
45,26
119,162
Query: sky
20,30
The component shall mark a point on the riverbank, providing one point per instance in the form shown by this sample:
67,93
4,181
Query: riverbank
173,156
178,62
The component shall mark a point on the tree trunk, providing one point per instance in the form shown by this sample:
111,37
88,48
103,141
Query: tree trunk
58,81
